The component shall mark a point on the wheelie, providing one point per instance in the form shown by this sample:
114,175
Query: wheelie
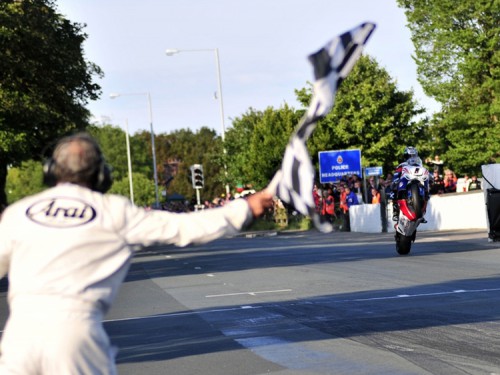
410,195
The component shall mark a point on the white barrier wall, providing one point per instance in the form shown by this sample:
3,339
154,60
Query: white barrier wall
444,212
365,218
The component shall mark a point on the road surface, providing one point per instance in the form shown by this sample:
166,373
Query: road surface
311,303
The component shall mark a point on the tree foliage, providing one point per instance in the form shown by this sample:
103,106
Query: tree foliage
113,142
457,51
45,80
24,180
144,189
372,115
184,148
256,143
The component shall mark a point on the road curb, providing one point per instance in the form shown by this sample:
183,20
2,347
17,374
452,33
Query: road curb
259,234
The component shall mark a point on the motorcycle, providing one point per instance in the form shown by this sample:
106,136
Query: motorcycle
412,196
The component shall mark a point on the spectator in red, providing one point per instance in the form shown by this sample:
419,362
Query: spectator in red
344,209
317,198
328,206
450,181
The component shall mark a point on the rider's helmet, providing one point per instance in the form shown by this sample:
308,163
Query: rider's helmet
410,152
415,161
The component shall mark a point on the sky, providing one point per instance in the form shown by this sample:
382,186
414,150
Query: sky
262,46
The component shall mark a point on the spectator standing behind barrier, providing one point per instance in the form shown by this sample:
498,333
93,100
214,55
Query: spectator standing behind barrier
358,190
370,184
465,183
351,200
388,186
67,251
437,164
328,207
344,209
375,195
450,181
317,198
436,184
382,184
474,184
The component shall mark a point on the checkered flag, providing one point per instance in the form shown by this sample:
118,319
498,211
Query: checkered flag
293,183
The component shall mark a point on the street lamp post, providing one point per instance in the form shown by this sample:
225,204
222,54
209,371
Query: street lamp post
173,51
153,147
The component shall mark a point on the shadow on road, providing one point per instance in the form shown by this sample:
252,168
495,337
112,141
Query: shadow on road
349,315
289,250
423,312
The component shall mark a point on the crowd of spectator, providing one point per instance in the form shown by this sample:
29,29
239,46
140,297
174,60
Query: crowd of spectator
187,205
351,190
333,200
445,181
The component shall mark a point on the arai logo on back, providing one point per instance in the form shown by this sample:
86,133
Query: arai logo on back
61,212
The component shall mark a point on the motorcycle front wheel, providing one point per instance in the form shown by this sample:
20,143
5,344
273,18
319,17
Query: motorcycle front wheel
403,244
416,200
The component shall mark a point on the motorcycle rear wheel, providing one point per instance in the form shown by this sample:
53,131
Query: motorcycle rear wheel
403,244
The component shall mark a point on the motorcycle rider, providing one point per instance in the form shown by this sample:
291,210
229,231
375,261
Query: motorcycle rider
410,157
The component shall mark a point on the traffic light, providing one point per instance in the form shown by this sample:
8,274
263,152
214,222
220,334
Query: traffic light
197,176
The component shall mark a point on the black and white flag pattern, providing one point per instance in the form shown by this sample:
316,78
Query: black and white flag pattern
293,183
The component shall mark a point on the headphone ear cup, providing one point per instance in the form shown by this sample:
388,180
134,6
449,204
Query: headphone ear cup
104,178
49,178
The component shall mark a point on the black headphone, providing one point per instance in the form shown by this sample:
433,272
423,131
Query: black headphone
101,179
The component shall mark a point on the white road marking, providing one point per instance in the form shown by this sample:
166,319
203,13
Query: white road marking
399,348
420,295
248,293
173,315
246,307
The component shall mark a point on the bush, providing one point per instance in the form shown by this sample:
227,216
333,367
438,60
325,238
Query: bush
295,222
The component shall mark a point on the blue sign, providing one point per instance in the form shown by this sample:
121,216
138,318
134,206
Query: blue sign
373,171
335,164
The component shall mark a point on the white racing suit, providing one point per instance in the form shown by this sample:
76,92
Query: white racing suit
66,252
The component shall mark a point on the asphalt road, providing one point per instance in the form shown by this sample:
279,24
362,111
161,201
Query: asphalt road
311,303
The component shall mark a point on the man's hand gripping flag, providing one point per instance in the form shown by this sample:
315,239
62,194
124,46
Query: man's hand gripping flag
293,183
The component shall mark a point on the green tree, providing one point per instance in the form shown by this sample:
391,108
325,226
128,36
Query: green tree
372,115
24,180
256,143
142,154
113,142
457,48
237,145
144,189
27,178
187,148
45,80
